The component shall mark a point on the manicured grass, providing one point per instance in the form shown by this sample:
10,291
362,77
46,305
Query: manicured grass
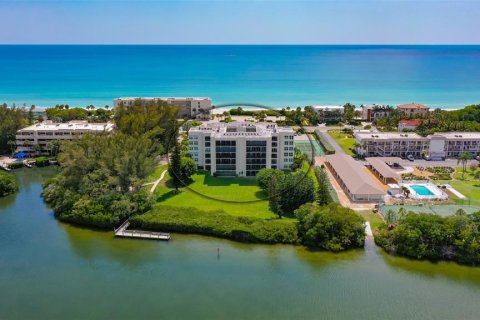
470,189
344,140
469,174
373,218
157,173
235,196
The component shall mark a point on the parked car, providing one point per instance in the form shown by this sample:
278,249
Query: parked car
410,157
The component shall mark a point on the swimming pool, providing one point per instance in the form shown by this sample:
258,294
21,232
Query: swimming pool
425,191
422,190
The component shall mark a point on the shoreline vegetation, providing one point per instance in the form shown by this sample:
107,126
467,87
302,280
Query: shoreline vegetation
102,177
8,184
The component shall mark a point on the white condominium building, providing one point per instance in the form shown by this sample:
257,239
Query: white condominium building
191,107
390,144
452,144
42,133
241,148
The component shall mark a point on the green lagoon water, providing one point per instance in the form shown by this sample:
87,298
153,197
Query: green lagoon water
50,270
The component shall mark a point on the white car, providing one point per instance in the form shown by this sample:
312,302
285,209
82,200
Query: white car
410,157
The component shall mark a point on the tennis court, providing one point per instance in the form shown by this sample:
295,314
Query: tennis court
441,210
310,146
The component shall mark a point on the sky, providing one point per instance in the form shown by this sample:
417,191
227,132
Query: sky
240,22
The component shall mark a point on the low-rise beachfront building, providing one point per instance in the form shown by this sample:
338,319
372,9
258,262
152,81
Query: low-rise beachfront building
354,179
329,113
190,107
452,144
408,125
413,109
373,112
42,133
391,144
241,148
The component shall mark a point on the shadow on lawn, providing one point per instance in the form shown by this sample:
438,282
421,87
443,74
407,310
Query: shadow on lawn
226,181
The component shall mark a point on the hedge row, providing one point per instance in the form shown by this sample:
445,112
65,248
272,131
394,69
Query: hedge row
41,161
218,224
326,145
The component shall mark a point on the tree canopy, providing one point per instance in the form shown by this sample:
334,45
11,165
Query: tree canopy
12,119
8,184
101,178
428,236
330,227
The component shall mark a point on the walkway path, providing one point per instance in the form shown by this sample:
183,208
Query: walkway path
368,229
155,184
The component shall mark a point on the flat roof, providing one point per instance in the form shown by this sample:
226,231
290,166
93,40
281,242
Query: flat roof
240,129
351,172
457,135
381,167
72,125
389,136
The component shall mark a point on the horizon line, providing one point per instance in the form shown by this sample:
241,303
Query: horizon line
237,44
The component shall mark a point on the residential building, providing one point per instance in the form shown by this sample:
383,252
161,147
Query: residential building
373,112
329,113
391,144
241,148
408,125
413,109
354,179
452,144
42,133
190,107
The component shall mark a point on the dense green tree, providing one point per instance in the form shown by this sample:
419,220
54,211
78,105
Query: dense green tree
295,189
265,176
330,227
101,179
12,119
428,236
156,119
323,190
349,113
8,184
175,165
187,168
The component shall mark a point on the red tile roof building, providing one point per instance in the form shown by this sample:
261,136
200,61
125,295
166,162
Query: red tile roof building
408,124
413,109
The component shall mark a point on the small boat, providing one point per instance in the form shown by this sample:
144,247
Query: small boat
5,168
27,164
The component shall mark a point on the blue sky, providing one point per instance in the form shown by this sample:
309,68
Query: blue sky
240,21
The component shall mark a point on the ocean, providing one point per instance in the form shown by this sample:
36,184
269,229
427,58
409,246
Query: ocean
277,76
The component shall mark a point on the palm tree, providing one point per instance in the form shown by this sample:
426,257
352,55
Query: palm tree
405,191
463,158
13,145
36,148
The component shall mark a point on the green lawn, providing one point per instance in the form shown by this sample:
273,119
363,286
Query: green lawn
236,196
469,174
344,140
157,173
373,218
470,189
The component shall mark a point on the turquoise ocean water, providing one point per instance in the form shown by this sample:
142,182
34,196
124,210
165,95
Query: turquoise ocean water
440,76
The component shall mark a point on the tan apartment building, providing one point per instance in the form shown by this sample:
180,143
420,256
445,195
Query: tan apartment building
42,133
391,144
413,109
452,144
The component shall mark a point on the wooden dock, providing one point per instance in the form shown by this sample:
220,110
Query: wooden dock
139,234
